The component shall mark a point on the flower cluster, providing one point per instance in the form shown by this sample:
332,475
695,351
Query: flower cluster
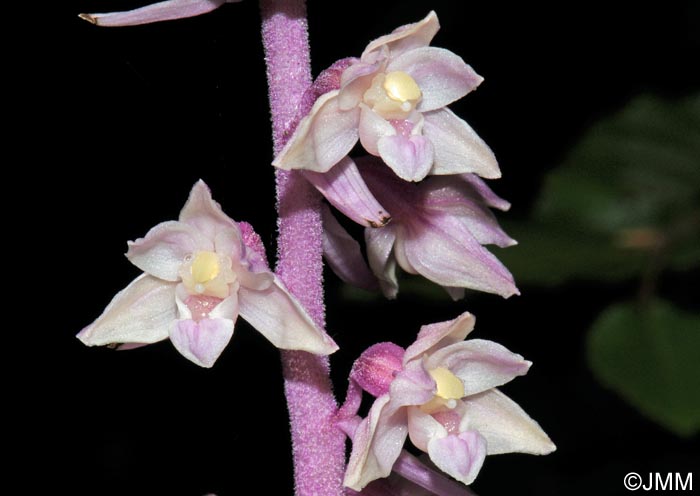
420,195
420,192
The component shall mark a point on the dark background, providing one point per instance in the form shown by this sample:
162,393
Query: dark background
122,123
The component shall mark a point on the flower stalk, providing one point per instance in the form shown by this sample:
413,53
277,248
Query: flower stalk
318,446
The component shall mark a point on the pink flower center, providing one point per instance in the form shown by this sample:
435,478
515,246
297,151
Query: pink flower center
449,420
200,306
403,127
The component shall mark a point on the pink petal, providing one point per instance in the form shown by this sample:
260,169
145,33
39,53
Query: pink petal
328,80
376,368
458,149
442,76
356,79
444,194
161,11
432,337
322,138
343,254
460,456
447,253
228,242
277,315
377,444
373,127
204,214
411,158
380,244
164,248
345,189
412,469
480,364
504,425
412,386
423,427
202,342
407,37
143,312
255,250
482,190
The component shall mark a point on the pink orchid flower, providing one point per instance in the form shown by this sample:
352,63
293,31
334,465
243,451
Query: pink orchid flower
161,11
437,230
441,392
394,100
200,273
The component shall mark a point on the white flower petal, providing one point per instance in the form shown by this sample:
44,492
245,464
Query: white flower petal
277,315
143,312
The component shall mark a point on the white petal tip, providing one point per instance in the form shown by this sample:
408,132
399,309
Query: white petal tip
82,336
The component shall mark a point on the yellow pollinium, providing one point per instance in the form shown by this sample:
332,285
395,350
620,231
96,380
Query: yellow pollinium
449,386
205,267
401,87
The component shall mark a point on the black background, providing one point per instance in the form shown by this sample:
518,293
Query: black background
121,122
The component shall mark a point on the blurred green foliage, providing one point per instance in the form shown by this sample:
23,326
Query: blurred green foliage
626,204
650,354
629,190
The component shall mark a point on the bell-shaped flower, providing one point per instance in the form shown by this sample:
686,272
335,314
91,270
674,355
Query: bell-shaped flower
441,392
394,100
168,10
437,230
200,273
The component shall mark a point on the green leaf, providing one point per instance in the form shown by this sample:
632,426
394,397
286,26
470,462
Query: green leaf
628,191
651,357
638,168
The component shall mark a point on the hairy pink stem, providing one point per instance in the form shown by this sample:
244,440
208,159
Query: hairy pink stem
318,446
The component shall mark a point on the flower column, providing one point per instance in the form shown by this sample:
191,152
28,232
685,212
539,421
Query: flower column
318,446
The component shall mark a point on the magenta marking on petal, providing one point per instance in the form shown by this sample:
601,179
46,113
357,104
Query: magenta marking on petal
377,367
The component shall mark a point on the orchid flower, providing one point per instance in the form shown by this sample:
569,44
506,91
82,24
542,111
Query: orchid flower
168,10
441,392
437,230
394,100
200,273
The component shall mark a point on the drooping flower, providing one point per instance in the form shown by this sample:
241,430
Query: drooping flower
200,273
168,10
394,100
438,228
441,392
